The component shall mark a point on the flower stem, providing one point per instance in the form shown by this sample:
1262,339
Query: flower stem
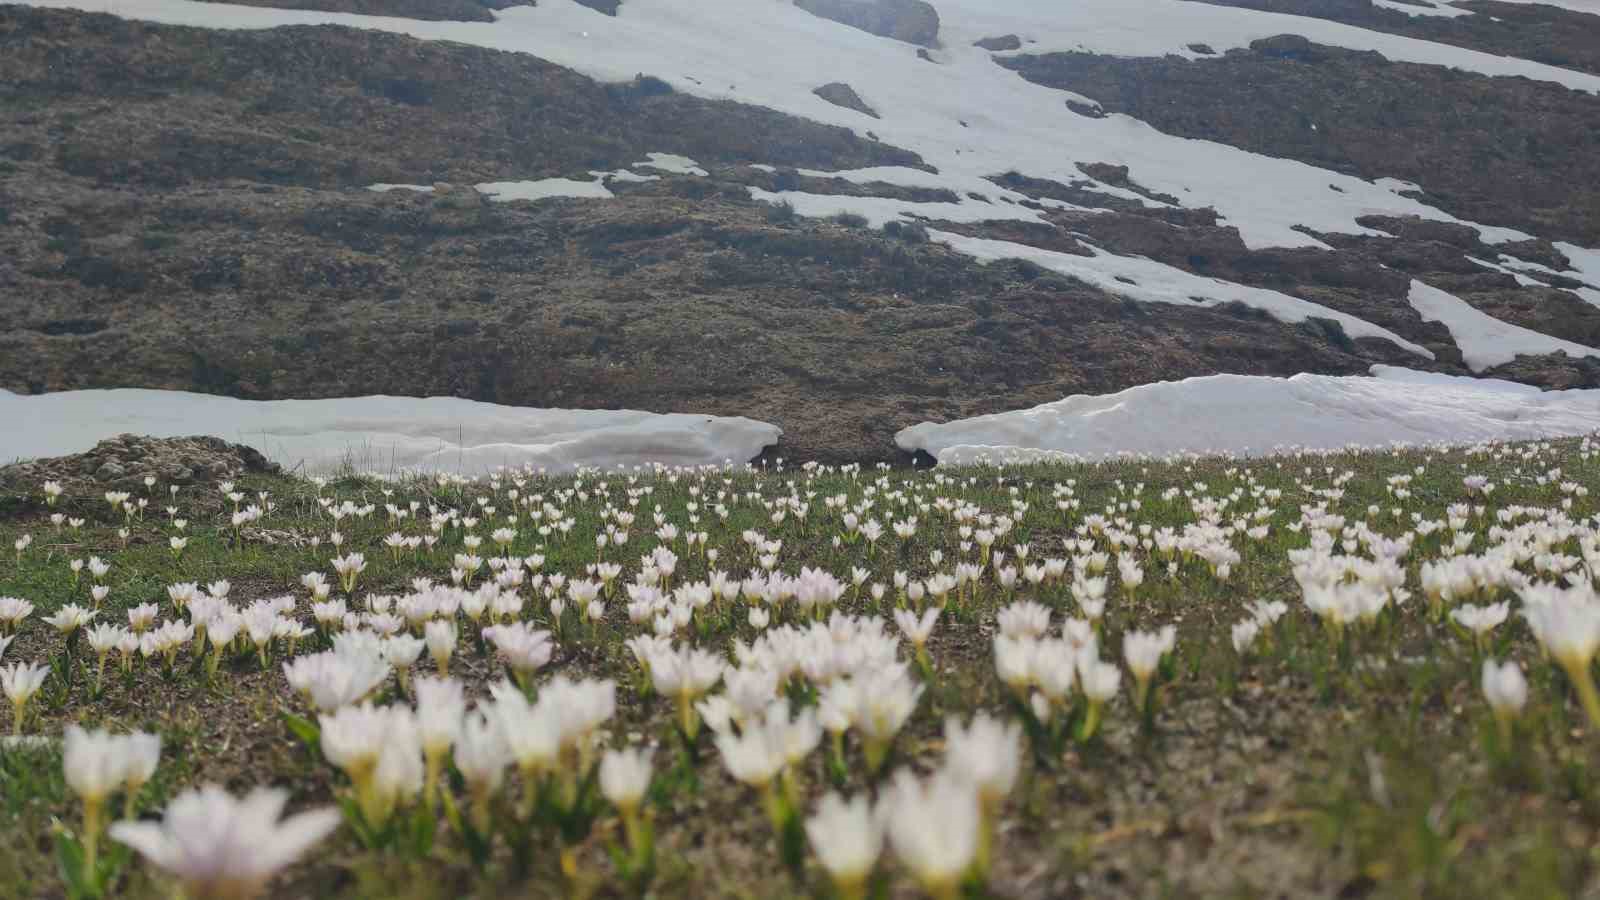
1579,676
91,838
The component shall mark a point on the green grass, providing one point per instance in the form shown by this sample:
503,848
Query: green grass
1365,766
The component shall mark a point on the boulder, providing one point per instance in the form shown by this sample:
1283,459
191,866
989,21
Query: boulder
840,94
1092,111
912,21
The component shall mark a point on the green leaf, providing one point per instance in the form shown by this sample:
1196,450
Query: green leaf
69,859
304,730
423,828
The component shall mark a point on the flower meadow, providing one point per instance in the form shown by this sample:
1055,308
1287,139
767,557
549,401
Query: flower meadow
1341,673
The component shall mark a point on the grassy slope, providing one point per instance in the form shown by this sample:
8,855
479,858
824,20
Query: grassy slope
1300,771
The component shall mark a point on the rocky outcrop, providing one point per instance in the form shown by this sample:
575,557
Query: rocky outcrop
125,461
840,94
1000,44
912,21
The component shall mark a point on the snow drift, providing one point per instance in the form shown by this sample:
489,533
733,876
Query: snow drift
1254,414
387,434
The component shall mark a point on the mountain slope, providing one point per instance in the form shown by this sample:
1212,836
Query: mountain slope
189,208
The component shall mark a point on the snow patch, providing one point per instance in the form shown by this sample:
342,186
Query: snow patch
1485,341
1522,280
878,210
389,434
1245,414
623,175
386,188
1585,262
1155,282
505,191
667,162
1444,10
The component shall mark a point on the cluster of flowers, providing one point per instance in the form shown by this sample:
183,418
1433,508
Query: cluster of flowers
773,662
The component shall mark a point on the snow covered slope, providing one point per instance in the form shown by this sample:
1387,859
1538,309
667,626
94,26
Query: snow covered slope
1245,414
1485,341
386,434
965,115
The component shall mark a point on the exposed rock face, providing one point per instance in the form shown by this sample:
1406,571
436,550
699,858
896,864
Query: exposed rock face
912,21
840,94
125,461
999,44
609,7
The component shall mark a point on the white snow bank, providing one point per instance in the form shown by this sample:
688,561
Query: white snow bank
388,434
1521,279
1256,414
1154,282
1485,341
623,175
545,187
382,188
1585,262
667,162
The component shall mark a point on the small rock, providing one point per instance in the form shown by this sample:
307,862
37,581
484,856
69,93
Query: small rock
1085,109
840,94
1003,42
